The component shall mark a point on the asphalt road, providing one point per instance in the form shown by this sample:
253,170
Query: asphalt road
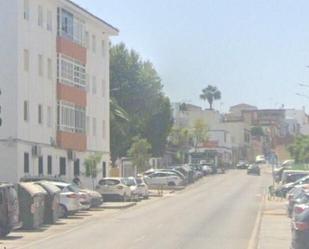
219,212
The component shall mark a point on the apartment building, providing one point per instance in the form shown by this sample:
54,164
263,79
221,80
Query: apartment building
54,89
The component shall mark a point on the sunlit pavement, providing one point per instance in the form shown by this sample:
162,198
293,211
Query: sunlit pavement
218,212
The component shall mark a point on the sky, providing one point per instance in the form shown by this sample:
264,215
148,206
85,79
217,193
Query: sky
254,51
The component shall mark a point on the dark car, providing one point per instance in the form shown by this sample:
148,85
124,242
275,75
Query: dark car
9,209
254,169
300,231
242,165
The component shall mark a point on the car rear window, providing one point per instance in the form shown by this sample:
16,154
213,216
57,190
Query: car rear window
109,182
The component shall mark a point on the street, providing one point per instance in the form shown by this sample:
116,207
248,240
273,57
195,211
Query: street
217,212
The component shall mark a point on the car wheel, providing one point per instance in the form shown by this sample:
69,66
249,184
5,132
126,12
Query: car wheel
171,184
62,211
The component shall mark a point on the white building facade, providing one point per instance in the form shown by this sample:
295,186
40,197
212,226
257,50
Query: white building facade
54,89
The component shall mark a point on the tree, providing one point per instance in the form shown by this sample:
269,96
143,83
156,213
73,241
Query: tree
139,94
210,93
299,150
183,107
257,131
180,139
91,165
139,153
199,132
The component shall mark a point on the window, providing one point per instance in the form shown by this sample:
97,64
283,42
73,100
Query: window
71,118
76,167
26,111
94,85
26,60
26,9
71,27
40,64
88,125
26,163
104,129
49,69
62,166
40,16
103,48
49,165
103,169
94,126
103,88
41,170
49,20
87,83
40,114
87,42
49,116
71,72
94,43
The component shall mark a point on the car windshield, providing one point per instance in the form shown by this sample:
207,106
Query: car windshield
130,182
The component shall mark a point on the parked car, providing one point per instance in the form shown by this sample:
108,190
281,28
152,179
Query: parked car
254,169
69,200
187,172
132,184
96,199
142,188
9,209
177,172
293,175
300,231
207,170
114,188
242,165
282,190
300,196
163,179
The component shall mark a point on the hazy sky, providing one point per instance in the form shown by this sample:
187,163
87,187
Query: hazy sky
255,51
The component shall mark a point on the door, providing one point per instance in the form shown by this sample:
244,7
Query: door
103,169
3,210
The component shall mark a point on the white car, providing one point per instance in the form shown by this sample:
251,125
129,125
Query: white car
114,188
163,179
69,200
84,198
132,184
142,188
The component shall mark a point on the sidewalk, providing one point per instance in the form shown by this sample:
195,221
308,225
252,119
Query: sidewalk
275,231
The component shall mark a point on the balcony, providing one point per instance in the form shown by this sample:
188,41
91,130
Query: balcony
72,141
72,94
71,49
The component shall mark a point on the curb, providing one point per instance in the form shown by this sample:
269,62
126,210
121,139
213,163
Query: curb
127,205
253,242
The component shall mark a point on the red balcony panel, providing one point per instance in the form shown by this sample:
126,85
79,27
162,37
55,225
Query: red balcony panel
69,48
72,94
72,141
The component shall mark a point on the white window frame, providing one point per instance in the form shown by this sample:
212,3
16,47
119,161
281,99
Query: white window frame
26,60
26,10
40,114
49,116
26,111
94,85
41,65
49,23
94,126
71,118
71,72
40,15
94,43
49,68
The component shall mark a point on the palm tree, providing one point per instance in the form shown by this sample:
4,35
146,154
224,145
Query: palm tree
210,93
